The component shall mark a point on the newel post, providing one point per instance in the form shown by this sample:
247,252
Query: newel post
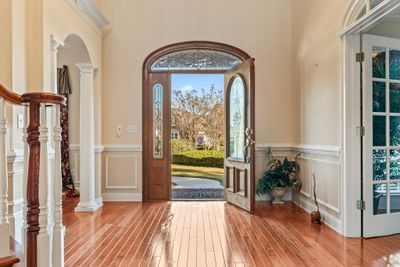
32,193
4,224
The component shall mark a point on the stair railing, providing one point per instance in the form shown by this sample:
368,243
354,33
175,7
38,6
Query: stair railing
36,198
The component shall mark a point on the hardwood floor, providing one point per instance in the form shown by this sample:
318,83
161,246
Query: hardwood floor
213,234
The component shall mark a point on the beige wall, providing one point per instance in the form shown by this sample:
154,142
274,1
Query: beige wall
316,69
262,29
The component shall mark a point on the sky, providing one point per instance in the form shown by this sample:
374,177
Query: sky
186,82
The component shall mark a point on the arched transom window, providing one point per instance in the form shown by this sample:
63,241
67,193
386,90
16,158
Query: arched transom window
196,59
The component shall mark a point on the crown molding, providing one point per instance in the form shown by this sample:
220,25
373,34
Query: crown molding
90,8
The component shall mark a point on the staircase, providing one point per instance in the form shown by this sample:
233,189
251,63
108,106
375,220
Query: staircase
43,232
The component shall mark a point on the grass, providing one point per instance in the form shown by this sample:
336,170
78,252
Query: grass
198,172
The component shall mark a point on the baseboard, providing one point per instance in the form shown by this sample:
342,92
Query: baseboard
330,220
129,197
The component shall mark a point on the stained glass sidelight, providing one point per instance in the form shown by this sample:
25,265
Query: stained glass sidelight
237,119
158,121
196,59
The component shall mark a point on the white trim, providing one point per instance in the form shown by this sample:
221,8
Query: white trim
110,148
123,148
85,16
76,147
90,8
372,17
334,151
110,197
329,220
135,175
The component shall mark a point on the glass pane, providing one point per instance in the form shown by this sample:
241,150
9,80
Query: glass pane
157,121
196,59
395,131
394,64
379,130
237,119
378,62
395,197
379,192
378,97
394,97
394,164
379,164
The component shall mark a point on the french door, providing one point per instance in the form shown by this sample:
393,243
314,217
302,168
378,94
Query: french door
381,180
239,136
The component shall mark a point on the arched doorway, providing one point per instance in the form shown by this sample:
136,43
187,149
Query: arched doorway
194,57
78,155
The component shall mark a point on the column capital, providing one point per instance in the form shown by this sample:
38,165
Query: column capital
55,44
86,67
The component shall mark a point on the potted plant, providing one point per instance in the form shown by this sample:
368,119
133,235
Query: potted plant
278,178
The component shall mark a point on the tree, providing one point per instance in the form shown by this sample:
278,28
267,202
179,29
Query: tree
195,112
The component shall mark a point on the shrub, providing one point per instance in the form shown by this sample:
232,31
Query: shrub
181,145
201,158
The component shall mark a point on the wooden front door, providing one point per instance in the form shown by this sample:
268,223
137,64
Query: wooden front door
157,137
239,137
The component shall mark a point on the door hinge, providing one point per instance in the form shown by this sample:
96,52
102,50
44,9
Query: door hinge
360,131
360,204
360,57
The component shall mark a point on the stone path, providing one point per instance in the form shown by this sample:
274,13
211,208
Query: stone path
186,188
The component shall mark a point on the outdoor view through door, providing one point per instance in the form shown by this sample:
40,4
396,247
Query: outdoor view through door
198,124
197,136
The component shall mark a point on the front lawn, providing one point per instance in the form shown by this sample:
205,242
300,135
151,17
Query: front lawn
198,172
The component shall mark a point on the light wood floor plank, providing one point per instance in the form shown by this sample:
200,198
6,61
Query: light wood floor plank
213,234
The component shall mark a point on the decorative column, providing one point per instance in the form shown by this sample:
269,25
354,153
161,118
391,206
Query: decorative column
87,157
58,227
43,237
4,225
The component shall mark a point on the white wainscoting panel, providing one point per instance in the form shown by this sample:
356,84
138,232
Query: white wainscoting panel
121,171
327,174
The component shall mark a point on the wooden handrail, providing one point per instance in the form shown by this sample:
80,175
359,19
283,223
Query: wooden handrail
10,96
8,261
33,101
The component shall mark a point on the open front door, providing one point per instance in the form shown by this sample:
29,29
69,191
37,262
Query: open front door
239,138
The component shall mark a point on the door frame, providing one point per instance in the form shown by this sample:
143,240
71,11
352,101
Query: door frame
354,26
150,59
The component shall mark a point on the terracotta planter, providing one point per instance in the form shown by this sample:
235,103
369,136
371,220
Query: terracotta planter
278,193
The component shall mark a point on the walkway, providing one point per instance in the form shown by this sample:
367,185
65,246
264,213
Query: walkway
188,188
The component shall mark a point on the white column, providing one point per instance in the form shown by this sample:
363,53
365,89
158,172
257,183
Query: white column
87,159
4,225
58,228
43,239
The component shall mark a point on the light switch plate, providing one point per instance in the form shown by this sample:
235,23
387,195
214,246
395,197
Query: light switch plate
132,129
120,130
